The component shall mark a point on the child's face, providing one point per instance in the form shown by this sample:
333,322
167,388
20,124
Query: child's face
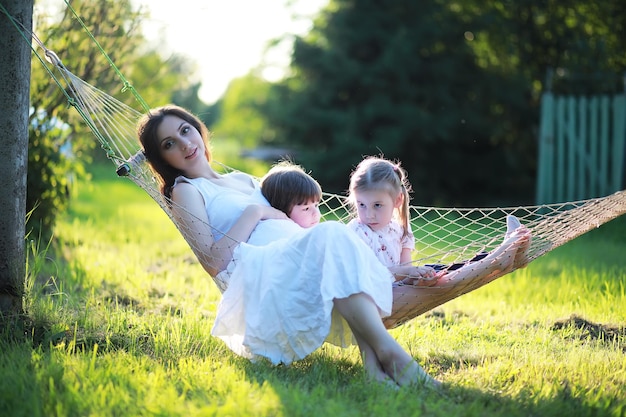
306,215
375,208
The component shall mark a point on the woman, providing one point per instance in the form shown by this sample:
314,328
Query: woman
286,289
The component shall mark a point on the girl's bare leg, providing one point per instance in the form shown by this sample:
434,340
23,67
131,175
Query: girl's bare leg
501,260
521,257
409,301
363,317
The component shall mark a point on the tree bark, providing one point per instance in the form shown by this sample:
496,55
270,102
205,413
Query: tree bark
14,107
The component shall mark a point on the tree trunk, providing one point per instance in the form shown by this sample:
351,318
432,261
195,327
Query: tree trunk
14,107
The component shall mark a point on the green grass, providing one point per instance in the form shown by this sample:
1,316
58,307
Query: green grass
121,318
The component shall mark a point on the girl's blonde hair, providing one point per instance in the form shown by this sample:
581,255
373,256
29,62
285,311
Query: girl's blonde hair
376,173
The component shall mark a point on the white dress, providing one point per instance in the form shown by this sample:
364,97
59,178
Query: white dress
278,291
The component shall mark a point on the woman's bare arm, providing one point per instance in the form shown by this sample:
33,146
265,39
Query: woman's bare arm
191,217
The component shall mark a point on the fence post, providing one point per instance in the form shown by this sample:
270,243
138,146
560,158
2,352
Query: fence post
619,137
582,146
546,150
605,186
582,150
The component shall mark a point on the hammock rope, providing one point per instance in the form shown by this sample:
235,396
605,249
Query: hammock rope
443,235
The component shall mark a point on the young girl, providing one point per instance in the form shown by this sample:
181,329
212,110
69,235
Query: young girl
288,188
379,193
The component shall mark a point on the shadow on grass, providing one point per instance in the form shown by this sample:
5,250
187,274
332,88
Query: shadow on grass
323,386
339,387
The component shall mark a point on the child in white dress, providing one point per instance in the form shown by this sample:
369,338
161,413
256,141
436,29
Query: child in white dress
379,193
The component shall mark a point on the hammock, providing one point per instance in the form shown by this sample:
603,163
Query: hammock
443,235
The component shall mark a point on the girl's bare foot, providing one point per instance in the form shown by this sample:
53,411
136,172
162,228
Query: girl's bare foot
512,224
413,374
500,261
521,257
375,373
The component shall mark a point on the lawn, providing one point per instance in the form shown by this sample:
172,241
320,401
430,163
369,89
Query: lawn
120,318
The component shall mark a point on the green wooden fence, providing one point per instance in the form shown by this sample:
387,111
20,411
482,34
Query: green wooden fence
581,147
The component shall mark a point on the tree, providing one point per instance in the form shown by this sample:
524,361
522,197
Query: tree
584,41
14,85
450,88
397,78
60,143
240,119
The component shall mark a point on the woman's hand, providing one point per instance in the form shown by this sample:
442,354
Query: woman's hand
272,213
261,212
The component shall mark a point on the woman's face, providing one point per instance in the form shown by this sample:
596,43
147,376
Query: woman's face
180,144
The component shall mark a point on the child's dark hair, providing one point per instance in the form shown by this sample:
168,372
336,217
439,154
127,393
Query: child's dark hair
287,184
375,173
147,133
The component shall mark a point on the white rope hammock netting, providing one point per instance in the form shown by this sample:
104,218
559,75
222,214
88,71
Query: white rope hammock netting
443,235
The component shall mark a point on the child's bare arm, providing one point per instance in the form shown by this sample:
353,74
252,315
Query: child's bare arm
423,276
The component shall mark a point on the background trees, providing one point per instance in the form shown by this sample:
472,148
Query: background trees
450,88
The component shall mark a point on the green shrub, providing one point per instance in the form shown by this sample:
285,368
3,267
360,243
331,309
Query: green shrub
52,171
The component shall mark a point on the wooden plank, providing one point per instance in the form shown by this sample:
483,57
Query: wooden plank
583,140
604,146
619,138
594,147
571,139
559,186
545,173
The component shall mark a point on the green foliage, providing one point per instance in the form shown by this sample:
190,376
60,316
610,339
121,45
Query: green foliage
450,89
237,124
53,169
121,313
53,124
240,119
581,41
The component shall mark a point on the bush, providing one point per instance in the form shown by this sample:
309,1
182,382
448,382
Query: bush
52,170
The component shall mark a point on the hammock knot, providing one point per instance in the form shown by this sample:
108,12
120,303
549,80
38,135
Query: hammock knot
110,152
53,58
